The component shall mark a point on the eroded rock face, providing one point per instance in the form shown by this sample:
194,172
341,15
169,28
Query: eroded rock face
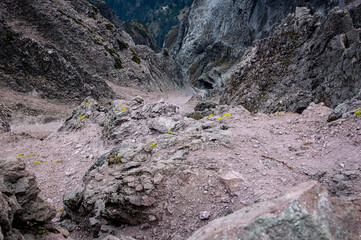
216,34
307,59
67,49
22,211
304,212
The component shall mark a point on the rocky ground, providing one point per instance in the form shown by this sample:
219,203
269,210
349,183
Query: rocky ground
182,172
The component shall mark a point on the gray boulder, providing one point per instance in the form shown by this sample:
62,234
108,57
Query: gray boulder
348,109
304,212
22,211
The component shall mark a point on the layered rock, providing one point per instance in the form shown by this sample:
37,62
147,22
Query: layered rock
66,50
215,35
22,211
304,212
307,58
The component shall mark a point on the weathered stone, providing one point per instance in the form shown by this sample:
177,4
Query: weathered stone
231,180
205,215
304,212
22,211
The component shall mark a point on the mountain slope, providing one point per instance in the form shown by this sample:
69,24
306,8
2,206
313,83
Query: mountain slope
213,38
66,50
307,59
158,15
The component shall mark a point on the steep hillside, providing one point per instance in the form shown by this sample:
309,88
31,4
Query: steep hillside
307,59
216,33
158,15
66,50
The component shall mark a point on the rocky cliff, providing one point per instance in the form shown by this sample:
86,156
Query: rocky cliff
66,50
308,58
216,33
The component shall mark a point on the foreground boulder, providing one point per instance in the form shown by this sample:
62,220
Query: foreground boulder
22,211
292,68
304,212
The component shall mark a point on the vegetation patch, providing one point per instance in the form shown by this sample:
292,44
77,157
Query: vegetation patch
135,58
114,159
122,45
109,26
118,63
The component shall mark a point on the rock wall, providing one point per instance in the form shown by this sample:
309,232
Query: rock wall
307,58
67,49
216,34
22,211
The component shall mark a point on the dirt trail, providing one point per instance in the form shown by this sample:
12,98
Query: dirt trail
306,143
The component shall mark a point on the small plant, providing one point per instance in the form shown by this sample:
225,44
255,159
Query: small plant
165,53
170,132
109,26
118,63
9,36
58,161
36,162
153,145
114,159
210,115
122,45
135,57
226,115
358,112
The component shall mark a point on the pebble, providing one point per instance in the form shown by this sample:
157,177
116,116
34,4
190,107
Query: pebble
205,215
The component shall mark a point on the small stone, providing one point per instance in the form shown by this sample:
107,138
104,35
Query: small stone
157,179
342,165
129,179
139,188
148,186
130,165
152,218
304,147
205,215
98,177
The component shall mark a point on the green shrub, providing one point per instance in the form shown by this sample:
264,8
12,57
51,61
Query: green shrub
165,53
118,63
122,45
135,58
109,26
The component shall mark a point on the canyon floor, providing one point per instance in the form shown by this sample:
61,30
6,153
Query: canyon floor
271,152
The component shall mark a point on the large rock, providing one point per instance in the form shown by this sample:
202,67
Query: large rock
304,212
216,33
146,182
348,109
22,211
307,59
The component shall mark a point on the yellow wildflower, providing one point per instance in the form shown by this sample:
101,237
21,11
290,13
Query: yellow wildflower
358,112
153,144
227,114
